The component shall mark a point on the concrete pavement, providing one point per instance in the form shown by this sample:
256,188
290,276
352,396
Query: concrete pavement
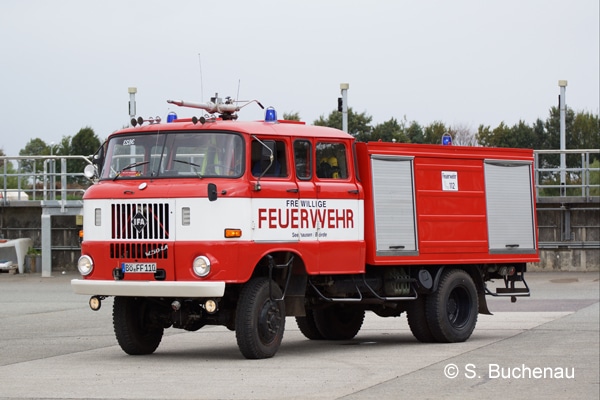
53,346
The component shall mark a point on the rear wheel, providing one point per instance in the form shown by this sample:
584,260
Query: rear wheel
259,321
339,321
308,327
135,332
417,321
452,310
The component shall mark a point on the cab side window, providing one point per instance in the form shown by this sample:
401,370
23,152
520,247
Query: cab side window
331,160
262,165
303,159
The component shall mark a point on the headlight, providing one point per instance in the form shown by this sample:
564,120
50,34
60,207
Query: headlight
85,265
201,266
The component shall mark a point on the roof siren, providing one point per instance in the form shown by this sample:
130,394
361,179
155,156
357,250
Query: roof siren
270,115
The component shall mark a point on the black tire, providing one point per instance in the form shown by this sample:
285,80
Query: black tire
339,321
452,310
308,327
259,321
134,331
417,321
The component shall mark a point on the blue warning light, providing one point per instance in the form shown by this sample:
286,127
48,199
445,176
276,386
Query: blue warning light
172,116
270,115
447,139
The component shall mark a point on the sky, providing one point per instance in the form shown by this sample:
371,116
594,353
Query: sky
68,64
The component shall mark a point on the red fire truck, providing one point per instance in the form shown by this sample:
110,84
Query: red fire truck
213,221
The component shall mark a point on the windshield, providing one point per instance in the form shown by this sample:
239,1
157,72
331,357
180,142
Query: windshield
174,154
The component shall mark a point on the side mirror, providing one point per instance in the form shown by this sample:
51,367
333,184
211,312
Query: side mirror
212,192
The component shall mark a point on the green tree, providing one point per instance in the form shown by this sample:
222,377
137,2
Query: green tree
292,116
390,131
359,125
414,132
7,170
84,143
585,132
433,133
64,147
551,140
519,135
595,178
581,132
35,147
539,133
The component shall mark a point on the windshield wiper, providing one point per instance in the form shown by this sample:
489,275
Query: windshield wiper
132,165
193,164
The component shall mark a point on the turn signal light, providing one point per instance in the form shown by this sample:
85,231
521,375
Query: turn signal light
233,233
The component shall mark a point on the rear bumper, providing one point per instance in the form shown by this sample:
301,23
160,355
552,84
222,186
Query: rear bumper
148,288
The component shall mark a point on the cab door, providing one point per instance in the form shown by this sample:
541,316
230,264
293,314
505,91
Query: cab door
338,209
275,194
307,195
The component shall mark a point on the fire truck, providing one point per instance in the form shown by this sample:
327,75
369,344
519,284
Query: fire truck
213,221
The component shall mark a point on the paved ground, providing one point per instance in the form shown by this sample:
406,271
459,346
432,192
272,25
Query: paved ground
547,346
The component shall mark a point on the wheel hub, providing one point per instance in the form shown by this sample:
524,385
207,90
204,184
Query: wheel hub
270,321
458,307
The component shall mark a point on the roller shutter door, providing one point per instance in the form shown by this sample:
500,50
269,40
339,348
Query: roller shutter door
394,203
510,207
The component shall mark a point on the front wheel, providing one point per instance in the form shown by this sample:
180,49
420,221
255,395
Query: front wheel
452,310
135,332
259,321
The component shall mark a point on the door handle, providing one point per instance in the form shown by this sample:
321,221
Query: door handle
292,190
354,191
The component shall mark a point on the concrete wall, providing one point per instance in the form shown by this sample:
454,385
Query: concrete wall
569,235
26,222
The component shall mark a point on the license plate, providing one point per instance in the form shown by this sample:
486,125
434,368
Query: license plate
138,268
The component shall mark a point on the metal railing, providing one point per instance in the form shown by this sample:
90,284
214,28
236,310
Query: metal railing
578,179
41,178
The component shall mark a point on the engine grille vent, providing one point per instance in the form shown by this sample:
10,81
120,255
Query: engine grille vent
139,250
140,221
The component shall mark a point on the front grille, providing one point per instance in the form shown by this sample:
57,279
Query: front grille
139,250
140,221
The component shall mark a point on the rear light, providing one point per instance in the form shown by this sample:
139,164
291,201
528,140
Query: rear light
506,271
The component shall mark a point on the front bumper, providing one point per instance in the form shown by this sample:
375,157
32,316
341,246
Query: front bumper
148,288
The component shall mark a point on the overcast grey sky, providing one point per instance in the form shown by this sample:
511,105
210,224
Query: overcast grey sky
67,64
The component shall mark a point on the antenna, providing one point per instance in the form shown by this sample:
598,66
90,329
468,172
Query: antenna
201,85
237,98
